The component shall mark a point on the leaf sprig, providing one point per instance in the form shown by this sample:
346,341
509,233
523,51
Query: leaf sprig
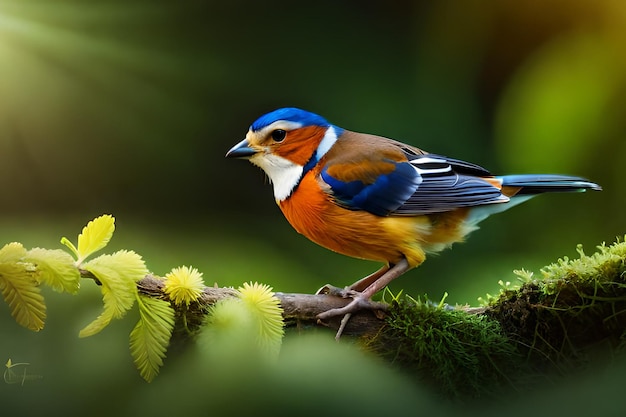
95,236
117,273
22,272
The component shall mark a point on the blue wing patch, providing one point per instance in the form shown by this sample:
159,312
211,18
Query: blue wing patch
425,185
384,196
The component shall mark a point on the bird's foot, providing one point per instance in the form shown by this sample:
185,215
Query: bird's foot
361,293
345,292
359,302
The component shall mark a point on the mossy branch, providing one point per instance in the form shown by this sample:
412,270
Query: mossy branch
544,324
548,323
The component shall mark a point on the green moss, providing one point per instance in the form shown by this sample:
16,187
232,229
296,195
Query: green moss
528,331
577,304
458,353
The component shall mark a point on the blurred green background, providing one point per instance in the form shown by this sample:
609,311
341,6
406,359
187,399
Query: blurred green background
128,107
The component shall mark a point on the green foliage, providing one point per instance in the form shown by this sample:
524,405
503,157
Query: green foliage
151,336
20,288
118,274
546,320
55,268
22,272
94,237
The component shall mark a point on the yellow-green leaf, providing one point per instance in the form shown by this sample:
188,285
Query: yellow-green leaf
118,273
12,253
98,324
94,236
151,336
65,241
55,268
21,292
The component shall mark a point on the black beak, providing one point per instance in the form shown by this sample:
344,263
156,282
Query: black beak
241,150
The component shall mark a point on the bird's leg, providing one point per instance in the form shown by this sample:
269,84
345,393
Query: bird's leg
355,288
392,273
363,283
362,300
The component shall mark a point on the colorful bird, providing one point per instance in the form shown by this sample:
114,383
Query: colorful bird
375,198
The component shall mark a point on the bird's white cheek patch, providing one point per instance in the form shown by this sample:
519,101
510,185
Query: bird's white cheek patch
284,174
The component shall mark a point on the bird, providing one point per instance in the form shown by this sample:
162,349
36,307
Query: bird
376,198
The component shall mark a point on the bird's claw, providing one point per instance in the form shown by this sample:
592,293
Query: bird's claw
358,303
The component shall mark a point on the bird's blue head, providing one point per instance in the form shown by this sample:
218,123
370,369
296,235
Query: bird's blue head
290,114
287,143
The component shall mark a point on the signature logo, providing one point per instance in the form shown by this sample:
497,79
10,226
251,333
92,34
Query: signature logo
17,373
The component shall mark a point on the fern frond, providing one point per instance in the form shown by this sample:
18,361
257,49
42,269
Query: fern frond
21,292
151,336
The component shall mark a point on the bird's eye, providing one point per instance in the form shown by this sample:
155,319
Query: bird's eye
279,135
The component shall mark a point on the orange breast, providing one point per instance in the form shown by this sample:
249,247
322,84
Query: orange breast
363,235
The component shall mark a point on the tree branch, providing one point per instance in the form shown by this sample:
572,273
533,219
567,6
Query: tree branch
298,309
543,324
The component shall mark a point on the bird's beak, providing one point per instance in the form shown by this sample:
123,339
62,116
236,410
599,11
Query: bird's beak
241,150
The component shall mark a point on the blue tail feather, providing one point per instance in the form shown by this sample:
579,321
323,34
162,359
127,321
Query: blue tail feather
530,185
543,183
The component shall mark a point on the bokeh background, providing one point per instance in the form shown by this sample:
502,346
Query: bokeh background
128,107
